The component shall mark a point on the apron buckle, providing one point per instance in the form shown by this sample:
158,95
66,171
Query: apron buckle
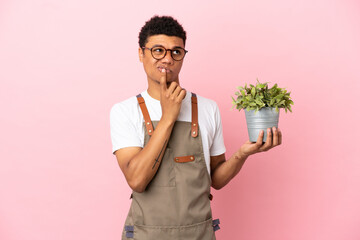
215,224
129,231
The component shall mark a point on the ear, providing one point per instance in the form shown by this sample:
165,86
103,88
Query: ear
141,54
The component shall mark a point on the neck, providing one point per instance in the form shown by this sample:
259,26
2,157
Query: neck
154,92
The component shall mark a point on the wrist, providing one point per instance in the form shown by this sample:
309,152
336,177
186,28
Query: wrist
167,121
240,156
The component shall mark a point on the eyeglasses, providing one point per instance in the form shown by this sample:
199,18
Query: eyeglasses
159,53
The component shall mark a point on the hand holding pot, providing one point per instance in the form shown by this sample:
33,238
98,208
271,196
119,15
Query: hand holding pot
274,138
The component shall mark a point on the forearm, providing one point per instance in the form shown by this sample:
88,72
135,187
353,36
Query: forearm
227,170
144,165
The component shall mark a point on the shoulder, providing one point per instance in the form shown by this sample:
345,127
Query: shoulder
126,111
125,107
207,105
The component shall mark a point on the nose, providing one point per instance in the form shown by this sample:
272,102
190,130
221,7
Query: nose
168,57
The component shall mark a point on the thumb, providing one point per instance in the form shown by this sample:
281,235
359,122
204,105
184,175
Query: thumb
163,80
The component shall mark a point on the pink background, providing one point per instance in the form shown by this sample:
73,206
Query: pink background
63,64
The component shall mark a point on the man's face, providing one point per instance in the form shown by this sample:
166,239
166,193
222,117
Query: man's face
153,66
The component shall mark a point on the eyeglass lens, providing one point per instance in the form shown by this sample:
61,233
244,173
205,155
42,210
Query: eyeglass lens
160,52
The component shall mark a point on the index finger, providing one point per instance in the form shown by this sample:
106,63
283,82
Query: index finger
163,86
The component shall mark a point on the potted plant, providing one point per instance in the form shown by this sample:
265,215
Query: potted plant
261,105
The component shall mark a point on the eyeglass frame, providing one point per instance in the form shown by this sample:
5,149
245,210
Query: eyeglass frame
166,49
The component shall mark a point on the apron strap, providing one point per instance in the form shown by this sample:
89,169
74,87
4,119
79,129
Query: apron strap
194,116
148,123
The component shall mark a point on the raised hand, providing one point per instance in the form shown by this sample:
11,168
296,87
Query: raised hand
170,98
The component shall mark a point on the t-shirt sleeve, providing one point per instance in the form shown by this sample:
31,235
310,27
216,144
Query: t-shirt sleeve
218,146
123,129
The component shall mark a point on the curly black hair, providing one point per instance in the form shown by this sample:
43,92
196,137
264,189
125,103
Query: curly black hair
161,25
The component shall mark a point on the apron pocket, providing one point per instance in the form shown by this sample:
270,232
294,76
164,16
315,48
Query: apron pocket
200,231
190,168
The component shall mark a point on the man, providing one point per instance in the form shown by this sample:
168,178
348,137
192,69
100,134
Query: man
169,145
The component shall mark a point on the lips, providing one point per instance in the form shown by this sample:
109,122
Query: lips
161,68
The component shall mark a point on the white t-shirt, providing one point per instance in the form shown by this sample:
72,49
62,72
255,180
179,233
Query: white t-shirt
126,123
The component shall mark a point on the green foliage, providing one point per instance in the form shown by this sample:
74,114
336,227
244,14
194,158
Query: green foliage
260,96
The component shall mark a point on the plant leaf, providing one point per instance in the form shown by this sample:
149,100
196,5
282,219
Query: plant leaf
252,104
259,102
253,91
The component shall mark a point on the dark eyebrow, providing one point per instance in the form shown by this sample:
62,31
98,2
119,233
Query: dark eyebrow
159,45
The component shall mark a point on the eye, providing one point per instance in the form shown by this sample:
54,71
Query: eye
158,50
176,51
